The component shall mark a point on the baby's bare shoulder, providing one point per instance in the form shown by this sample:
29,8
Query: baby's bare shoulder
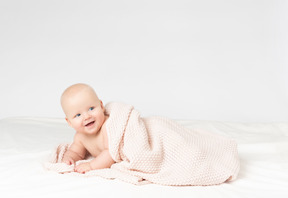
85,140
80,138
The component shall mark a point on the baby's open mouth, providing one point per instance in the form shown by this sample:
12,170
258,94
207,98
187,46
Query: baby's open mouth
89,124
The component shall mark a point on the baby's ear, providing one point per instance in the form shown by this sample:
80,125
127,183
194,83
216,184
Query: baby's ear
68,121
101,104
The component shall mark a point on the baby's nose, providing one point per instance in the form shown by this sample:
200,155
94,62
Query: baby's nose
87,116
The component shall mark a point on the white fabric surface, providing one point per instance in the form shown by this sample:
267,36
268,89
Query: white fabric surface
25,143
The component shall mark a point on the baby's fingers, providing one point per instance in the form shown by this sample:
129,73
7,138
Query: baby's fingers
69,161
79,170
83,168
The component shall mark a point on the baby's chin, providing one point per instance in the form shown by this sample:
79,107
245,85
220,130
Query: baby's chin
91,132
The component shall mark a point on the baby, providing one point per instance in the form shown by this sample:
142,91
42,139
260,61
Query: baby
86,114
153,149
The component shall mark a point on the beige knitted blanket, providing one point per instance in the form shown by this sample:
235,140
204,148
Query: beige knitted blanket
158,150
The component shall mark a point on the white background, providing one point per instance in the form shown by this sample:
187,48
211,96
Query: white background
203,60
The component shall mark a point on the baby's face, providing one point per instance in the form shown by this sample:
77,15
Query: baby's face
84,111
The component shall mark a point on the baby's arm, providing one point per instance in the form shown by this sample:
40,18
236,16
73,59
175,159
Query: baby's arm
75,152
103,160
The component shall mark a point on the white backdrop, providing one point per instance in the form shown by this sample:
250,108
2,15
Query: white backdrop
203,60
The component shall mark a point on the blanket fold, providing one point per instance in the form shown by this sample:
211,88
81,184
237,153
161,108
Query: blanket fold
159,150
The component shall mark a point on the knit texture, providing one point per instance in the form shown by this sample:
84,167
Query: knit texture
161,151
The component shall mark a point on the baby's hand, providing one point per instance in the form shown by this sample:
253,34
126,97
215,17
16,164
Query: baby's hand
68,160
83,168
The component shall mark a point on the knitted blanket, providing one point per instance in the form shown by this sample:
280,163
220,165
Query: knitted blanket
158,150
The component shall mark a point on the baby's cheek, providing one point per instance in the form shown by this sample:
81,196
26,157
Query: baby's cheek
78,125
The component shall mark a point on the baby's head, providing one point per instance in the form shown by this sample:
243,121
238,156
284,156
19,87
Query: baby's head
83,109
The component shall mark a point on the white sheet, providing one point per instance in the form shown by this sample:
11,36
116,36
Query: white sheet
25,143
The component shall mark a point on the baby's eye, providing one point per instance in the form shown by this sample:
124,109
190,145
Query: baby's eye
77,115
91,108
